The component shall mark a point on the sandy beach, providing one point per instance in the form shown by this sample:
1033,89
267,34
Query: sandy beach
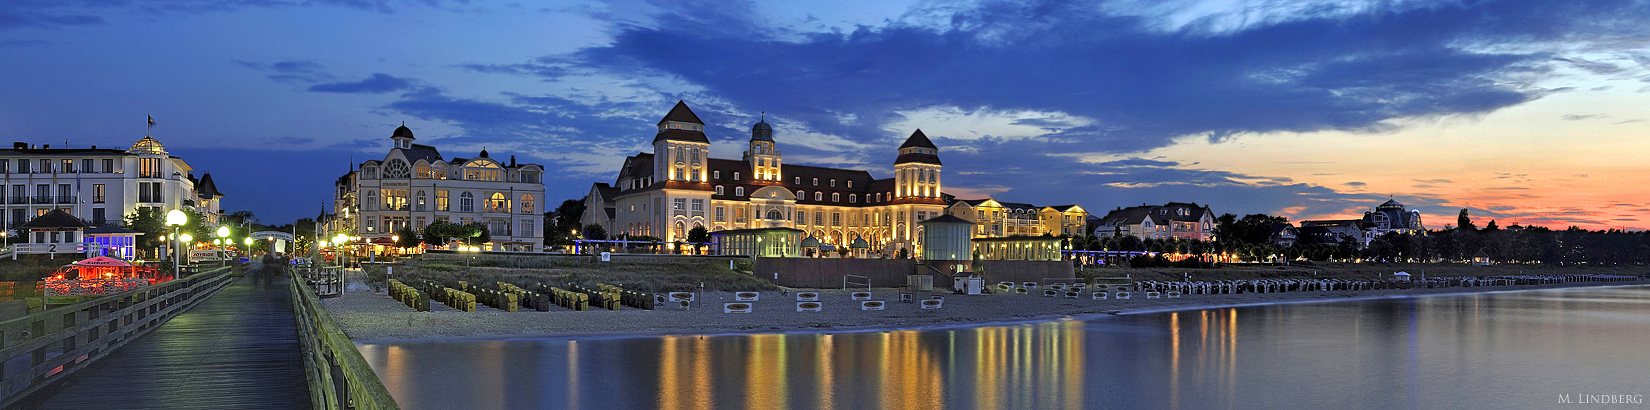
371,317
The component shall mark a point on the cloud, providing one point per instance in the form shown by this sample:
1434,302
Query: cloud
1355,184
290,71
377,84
20,43
1573,117
21,14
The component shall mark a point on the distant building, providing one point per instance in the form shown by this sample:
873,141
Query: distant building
994,219
680,186
414,186
1334,232
1392,217
1171,220
100,185
1284,234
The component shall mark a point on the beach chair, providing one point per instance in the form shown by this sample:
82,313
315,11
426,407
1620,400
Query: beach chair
1153,295
1021,291
1174,294
1099,295
1122,295
1029,285
1051,292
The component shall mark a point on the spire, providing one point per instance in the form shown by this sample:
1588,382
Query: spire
681,113
918,140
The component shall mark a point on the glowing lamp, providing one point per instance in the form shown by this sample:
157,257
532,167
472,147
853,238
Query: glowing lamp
176,217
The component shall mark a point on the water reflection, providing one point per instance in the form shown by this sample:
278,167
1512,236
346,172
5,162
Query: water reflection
1478,351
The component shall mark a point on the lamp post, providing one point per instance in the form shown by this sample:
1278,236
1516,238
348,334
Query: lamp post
339,241
175,219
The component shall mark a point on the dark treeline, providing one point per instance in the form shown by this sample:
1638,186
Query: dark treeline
1252,238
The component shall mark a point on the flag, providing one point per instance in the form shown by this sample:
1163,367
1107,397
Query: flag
151,120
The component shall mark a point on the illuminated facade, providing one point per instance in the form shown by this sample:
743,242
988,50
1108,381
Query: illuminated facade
679,186
994,219
414,186
100,185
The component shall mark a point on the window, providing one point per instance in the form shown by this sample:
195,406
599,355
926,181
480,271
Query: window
5,166
63,194
799,180
68,166
395,200
483,170
530,177
853,198
22,166
372,224
816,181
678,204
836,219
836,197
775,215
819,196
371,203
441,200
720,216
736,176
45,166
97,193
98,216
819,218
698,205
801,218
527,229
833,182
369,173
527,203
498,203
719,190
109,165
149,168
739,191
922,215
801,196
717,175
418,204
466,202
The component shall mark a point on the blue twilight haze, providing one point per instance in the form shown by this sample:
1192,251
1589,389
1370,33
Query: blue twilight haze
1099,103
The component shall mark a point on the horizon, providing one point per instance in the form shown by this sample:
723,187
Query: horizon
1309,110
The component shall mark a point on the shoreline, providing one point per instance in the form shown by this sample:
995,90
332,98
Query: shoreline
373,318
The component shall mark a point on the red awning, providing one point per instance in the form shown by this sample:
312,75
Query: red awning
383,241
103,262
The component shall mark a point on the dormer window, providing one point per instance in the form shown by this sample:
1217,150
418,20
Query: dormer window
739,191
719,190
836,197
833,182
716,175
801,196
799,180
736,176
819,196
852,198
816,181
850,183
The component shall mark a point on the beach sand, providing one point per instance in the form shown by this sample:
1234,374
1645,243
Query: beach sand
373,317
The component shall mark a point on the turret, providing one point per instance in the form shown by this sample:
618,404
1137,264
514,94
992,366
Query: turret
680,150
917,169
763,157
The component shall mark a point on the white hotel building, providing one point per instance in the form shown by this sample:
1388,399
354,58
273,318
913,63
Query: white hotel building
100,185
414,186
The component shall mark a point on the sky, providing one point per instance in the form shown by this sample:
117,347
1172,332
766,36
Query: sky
1527,112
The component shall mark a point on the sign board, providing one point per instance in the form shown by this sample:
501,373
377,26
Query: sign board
736,307
808,306
746,296
209,255
607,256
871,305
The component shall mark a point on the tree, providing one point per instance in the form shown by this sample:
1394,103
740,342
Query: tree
440,232
1464,222
477,233
1491,226
151,223
406,237
594,232
698,236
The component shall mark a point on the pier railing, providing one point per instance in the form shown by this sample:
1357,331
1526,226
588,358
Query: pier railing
339,378
41,348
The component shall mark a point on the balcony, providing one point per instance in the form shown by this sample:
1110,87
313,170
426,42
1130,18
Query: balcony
65,200
19,200
44,199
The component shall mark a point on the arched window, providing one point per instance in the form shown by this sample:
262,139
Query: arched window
736,175
799,180
419,206
396,168
716,175
816,181
679,228
497,203
719,190
466,202
527,203
853,198
738,191
371,203
819,196
801,195
836,197
774,214
850,183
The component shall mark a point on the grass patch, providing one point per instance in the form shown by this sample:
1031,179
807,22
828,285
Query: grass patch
640,276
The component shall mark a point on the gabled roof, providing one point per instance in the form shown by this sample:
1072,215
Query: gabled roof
56,219
681,113
945,219
207,189
917,139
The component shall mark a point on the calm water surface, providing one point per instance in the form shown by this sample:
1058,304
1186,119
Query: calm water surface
1491,351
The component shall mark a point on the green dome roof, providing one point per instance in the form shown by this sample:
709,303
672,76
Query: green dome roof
810,242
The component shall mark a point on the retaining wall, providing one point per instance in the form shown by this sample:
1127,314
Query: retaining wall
828,272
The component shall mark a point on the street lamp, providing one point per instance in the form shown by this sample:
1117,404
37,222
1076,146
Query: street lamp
223,231
174,219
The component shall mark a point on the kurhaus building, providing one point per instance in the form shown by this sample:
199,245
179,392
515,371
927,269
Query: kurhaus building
679,186
100,185
414,186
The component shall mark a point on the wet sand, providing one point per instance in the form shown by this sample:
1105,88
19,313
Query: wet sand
374,317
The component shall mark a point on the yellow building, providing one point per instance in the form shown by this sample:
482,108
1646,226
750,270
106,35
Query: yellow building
995,219
679,186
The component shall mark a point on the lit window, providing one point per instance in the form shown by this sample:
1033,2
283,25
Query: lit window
719,190
739,191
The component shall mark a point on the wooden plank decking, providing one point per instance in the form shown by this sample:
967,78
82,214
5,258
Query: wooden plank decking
237,350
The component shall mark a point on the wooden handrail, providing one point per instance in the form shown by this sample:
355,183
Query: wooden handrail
65,339
339,378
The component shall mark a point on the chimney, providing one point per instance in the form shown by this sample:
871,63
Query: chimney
47,146
19,145
94,147
512,161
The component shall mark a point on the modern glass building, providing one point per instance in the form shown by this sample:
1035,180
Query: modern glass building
763,242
